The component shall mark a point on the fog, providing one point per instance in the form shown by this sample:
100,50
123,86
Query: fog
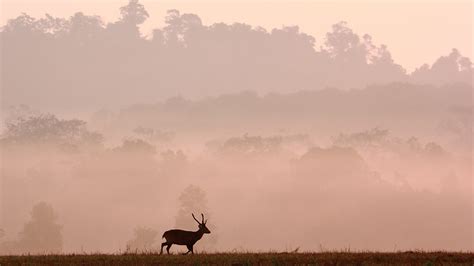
282,140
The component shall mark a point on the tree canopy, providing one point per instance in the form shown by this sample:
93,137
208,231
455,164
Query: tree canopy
92,57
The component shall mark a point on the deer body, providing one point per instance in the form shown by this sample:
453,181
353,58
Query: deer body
186,238
181,237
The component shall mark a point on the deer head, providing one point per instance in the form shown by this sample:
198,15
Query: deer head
202,225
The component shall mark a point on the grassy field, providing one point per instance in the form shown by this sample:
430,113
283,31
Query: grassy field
323,258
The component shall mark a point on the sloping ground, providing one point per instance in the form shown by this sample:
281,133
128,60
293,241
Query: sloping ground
324,258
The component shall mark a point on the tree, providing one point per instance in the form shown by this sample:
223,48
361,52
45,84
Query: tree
343,43
16,113
458,126
153,135
22,24
41,234
143,240
251,145
134,13
136,146
85,28
334,165
373,138
446,69
173,28
193,200
53,26
125,32
47,128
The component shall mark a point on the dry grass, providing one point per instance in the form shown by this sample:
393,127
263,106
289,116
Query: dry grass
323,258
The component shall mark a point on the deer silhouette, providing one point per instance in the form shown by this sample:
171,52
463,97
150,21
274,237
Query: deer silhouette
185,238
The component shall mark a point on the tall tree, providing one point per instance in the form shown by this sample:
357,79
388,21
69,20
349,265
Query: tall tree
41,234
134,13
194,200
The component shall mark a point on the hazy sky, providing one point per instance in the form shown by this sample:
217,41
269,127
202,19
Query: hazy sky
416,32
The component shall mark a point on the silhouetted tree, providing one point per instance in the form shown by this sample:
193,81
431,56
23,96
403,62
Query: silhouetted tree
446,69
133,13
373,138
136,146
459,126
41,234
251,145
236,57
16,113
126,30
84,29
343,44
379,142
192,200
46,128
23,24
183,29
333,165
152,135
357,60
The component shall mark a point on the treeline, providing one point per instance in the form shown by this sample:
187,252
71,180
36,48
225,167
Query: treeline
443,112
82,62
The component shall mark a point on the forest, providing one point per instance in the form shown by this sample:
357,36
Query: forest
284,141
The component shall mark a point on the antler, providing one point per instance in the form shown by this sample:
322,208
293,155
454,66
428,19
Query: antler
203,221
195,218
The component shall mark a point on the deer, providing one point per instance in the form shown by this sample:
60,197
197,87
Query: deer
185,238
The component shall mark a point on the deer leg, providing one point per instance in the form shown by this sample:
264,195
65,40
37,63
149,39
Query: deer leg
190,249
168,248
162,245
